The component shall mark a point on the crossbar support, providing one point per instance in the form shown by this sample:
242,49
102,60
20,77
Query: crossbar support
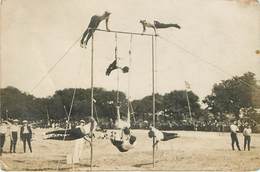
188,101
92,101
153,95
125,32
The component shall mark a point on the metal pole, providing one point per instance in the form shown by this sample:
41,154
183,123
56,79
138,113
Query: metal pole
117,82
1,9
6,114
153,94
188,103
117,88
92,99
48,118
123,32
129,78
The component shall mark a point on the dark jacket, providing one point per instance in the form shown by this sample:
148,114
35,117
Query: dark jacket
22,134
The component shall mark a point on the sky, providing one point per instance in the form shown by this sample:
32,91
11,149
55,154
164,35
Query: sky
221,35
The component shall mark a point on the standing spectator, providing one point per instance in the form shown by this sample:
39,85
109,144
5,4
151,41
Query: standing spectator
79,144
26,135
111,123
2,141
234,129
247,138
87,130
53,125
3,130
14,135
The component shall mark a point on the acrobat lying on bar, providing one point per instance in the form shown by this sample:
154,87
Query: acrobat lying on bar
157,25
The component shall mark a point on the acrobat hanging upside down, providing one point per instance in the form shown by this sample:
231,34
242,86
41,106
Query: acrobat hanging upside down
93,25
114,66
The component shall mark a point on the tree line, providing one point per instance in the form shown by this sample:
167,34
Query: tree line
229,98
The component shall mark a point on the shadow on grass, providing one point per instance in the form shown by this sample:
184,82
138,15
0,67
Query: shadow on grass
87,165
47,169
16,160
144,164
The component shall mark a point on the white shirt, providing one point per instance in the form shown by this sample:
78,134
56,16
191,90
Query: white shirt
14,128
234,128
25,130
247,131
147,24
3,129
127,146
86,128
158,134
122,124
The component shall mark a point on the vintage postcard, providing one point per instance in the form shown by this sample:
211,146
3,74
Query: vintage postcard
130,85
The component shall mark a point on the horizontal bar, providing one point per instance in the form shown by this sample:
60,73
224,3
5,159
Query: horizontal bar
123,32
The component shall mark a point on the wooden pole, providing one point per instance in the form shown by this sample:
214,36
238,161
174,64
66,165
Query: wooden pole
6,114
129,78
123,32
153,94
92,101
117,84
1,111
188,103
48,118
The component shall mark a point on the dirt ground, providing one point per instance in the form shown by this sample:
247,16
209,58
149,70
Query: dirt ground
193,151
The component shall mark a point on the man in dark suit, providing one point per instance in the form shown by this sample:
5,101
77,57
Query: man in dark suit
26,135
3,129
14,130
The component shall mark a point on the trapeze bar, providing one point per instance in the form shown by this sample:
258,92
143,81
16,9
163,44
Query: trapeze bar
123,32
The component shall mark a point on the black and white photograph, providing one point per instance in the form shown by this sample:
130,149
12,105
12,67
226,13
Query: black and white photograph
129,85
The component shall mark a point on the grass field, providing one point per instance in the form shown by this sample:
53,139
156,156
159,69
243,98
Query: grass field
192,151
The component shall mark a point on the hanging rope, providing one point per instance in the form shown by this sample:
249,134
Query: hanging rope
129,80
71,106
92,100
116,57
69,114
95,111
55,64
130,107
130,66
205,61
156,65
133,113
70,110
153,96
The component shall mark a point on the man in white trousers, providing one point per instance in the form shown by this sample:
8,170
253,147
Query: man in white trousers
79,143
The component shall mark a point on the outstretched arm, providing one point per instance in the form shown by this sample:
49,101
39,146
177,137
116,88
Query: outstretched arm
154,30
7,122
144,28
107,19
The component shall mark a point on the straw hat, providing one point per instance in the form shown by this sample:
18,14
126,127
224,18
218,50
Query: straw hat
25,121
